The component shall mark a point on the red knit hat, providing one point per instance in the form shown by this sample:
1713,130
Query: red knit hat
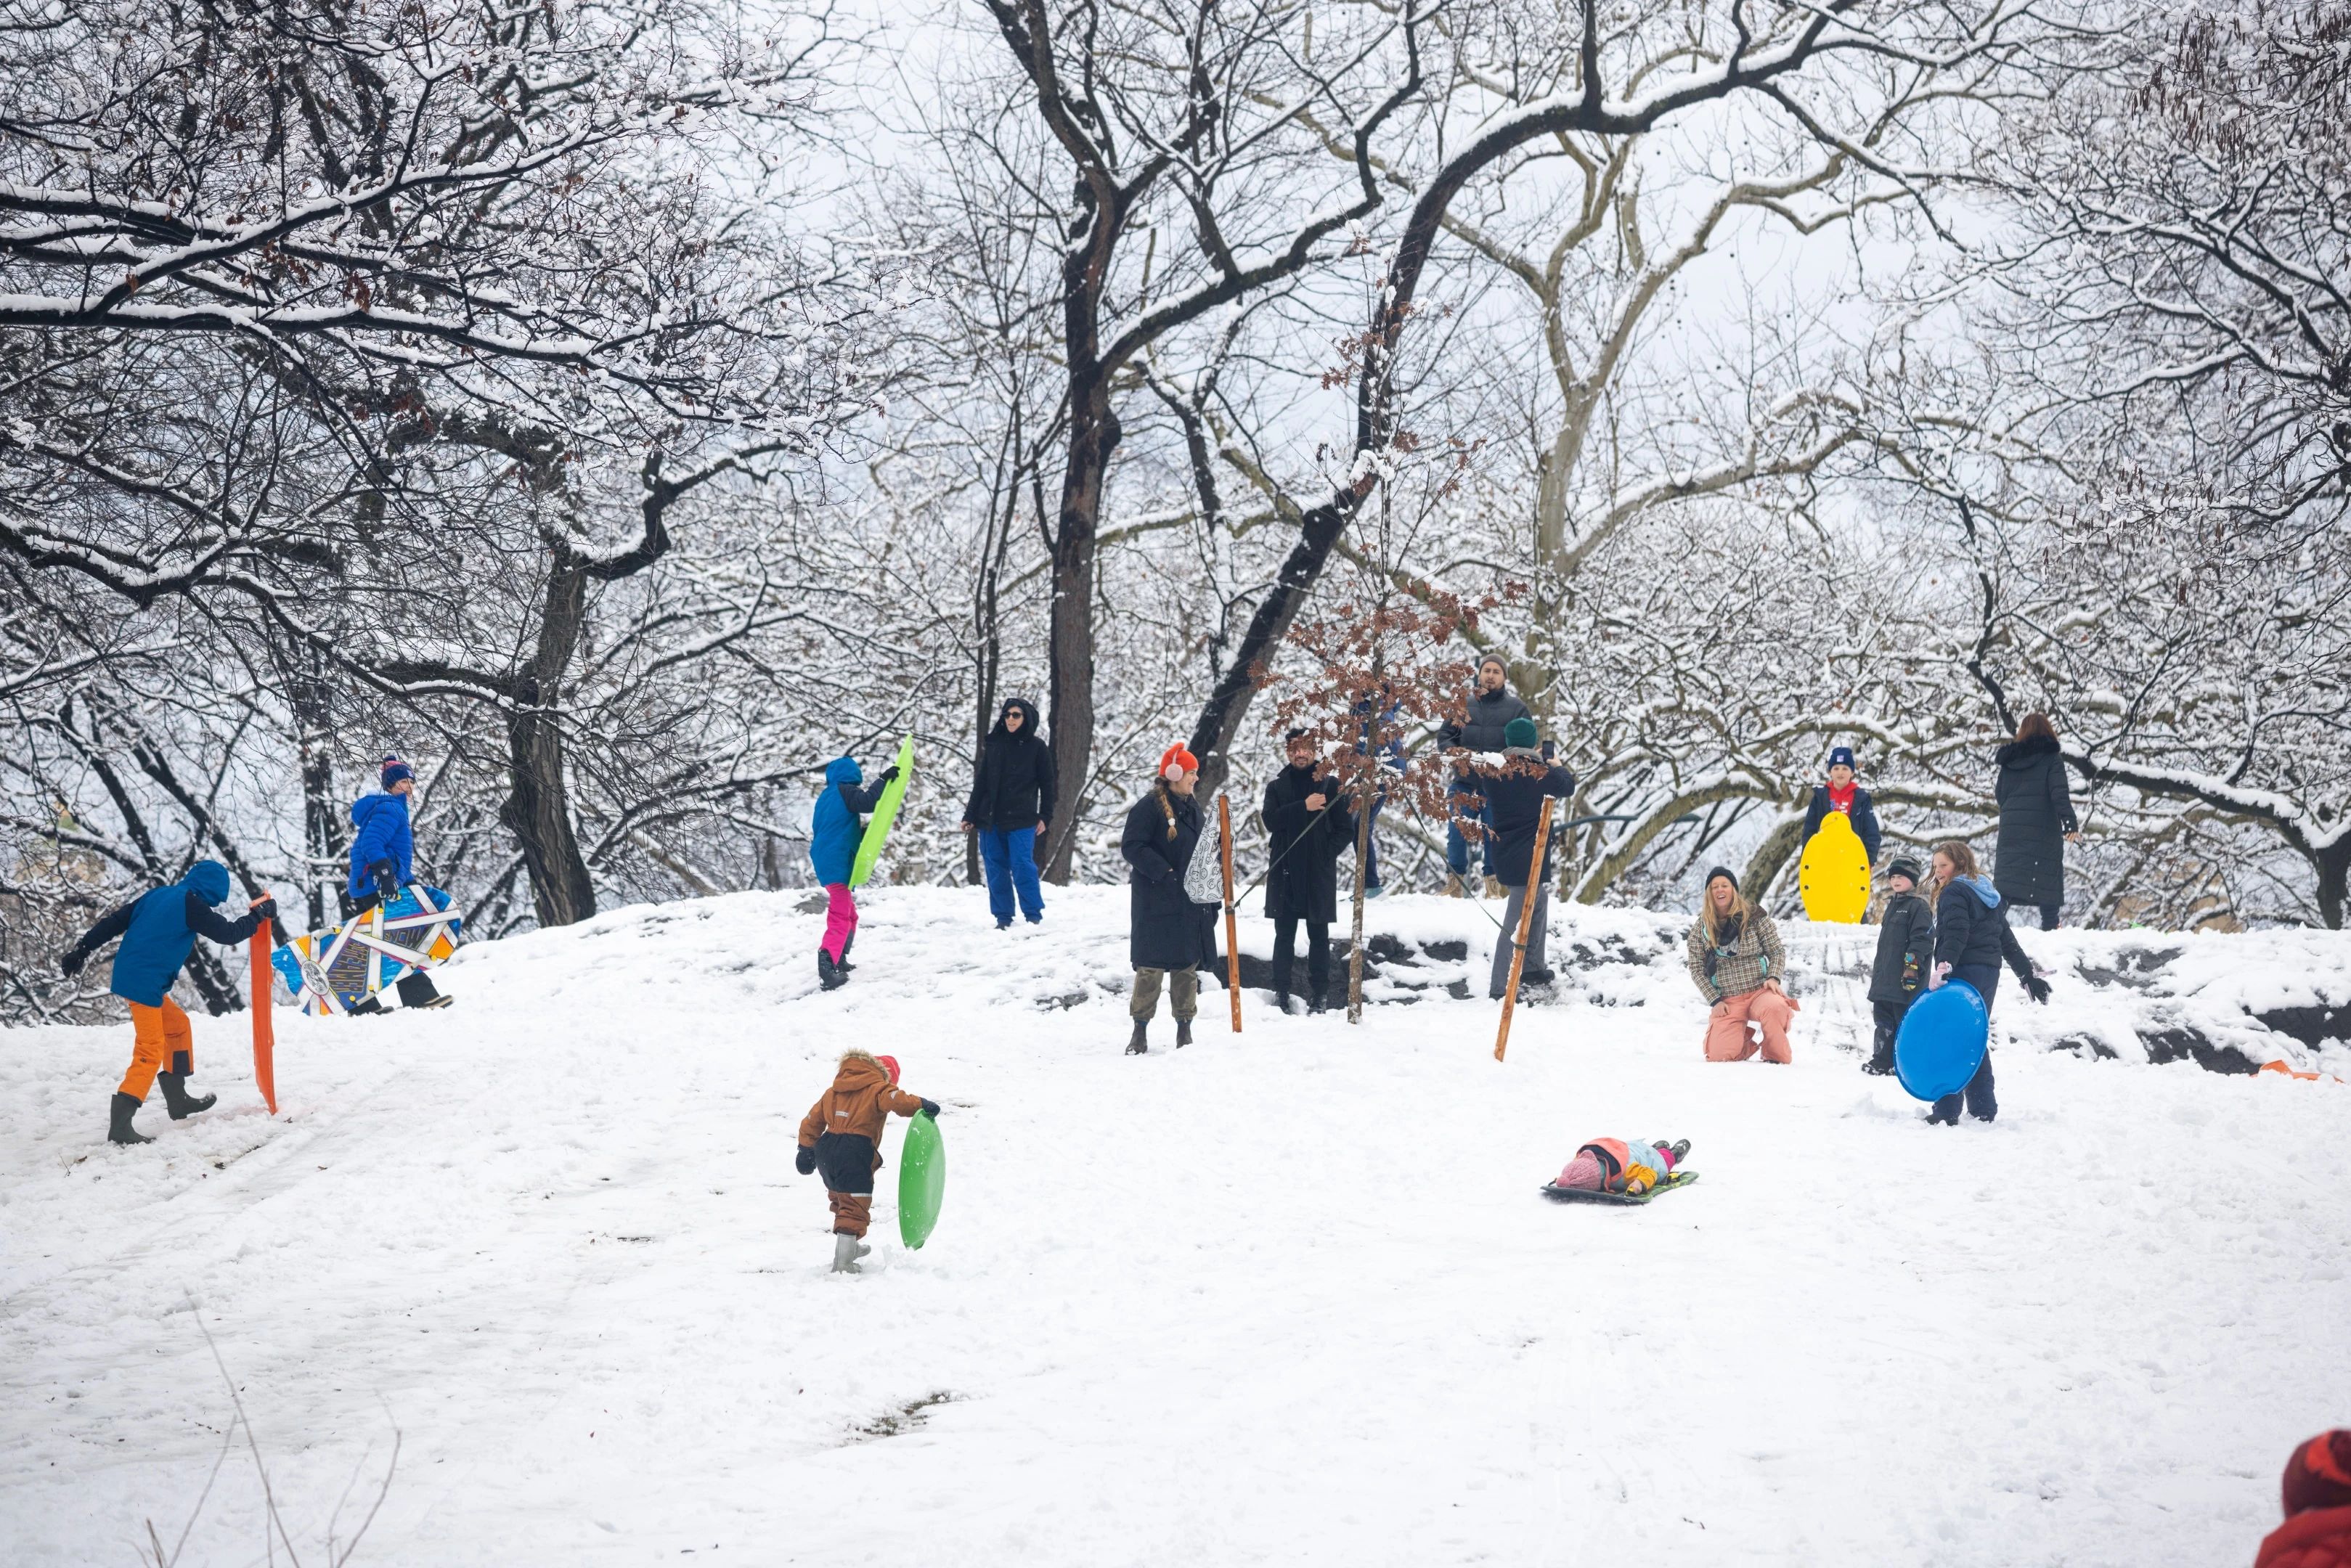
890,1066
1175,762
2319,1474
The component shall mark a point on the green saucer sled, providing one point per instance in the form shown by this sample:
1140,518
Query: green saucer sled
922,1181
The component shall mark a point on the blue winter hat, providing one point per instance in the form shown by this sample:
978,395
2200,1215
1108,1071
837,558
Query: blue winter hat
1843,754
210,880
1521,731
394,771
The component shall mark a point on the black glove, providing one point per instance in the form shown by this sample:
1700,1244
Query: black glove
887,774
73,961
931,1109
387,879
2036,987
805,1162
265,911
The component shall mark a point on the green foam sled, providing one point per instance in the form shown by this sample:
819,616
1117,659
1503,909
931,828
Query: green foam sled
885,811
922,1181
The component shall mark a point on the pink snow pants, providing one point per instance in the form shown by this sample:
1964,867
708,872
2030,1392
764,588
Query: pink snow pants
839,919
1726,1039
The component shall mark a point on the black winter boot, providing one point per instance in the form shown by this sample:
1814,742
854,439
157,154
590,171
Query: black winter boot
176,1098
1317,1003
119,1128
1680,1150
1183,1033
828,973
846,944
1136,1045
1281,1003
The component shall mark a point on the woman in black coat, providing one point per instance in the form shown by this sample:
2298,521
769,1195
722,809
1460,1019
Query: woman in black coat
1168,936
1010,808
1309,823
2036,817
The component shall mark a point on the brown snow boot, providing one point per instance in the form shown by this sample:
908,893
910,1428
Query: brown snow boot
1454,886
1494,888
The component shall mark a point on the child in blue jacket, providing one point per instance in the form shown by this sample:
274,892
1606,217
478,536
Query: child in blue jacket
834,833
382,861
158,930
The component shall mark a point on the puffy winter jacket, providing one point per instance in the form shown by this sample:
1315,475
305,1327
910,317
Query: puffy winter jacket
1490,715
835,830
158,930
1633,1164
1906,948
2036,813
2320,1538
1302,881
861,1098
384,834
1970,927
1013,787
1863,815
1166,930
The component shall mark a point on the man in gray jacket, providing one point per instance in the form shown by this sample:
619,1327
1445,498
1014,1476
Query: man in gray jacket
1491,707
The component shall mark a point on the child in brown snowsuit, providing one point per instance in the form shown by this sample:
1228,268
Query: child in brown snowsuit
841,1137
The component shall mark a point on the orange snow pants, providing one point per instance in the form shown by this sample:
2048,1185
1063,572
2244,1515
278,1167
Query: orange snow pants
1726,1039
852,1212
162,1037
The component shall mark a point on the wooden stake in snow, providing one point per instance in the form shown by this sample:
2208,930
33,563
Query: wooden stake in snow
1526,929
1232,930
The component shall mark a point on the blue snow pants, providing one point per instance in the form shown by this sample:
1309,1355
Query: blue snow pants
1008,855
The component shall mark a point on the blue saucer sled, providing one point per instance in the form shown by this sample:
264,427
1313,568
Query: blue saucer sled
1942,1041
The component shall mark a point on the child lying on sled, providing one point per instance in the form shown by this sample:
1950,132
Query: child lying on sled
1618,1165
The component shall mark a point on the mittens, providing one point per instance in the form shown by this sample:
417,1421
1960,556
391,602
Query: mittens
805,1162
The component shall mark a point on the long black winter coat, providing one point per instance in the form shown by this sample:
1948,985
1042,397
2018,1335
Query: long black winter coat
1863,817
1905,949
1166,930
1515,799
2036,813
1302,883
1013,788
1971,927
1489,713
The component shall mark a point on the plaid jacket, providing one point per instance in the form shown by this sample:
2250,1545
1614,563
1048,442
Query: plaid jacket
1752,958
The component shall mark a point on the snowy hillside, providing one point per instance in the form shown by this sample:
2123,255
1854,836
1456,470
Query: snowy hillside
1289,1297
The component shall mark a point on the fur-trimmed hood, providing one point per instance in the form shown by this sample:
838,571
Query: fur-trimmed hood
2018,752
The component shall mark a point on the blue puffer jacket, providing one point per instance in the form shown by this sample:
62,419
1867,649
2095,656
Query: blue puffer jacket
835,831
384,834
162,929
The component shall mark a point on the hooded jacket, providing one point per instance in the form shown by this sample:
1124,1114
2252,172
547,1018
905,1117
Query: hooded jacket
2036,813
2317,1538
835,830
861,1098
383,833
1013,785
1970,927
158,930
1752,956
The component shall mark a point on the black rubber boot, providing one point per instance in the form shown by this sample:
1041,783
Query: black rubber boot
119,1128
177,1100
1183,1033
1281,1003
846,944
828,973
1137,1044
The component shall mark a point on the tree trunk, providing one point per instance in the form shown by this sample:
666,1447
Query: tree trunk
1093,436
1363,857
1220,717
537,809
2334,865
323,840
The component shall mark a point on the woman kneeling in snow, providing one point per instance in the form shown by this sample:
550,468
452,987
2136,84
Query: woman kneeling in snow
1618,1165
1736,960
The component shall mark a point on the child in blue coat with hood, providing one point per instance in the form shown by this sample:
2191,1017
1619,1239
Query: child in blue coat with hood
382,861
834,833
158,930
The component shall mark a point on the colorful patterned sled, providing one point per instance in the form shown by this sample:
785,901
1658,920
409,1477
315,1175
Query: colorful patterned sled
336,970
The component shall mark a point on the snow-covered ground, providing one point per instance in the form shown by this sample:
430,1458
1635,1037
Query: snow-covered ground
1289,1297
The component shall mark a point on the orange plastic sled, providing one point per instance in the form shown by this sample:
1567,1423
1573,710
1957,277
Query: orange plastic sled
2289,1072
265,1039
